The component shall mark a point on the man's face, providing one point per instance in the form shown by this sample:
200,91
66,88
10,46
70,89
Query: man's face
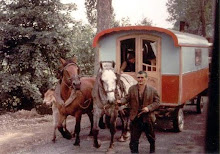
141,79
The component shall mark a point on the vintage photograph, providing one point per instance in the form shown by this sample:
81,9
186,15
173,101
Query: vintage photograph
109,76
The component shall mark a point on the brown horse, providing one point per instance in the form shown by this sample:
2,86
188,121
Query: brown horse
76,93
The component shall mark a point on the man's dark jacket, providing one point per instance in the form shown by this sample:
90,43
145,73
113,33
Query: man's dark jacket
151,100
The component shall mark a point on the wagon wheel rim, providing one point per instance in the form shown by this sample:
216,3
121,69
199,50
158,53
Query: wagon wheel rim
180,119
200,105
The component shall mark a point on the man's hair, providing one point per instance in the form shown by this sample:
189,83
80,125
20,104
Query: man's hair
143,72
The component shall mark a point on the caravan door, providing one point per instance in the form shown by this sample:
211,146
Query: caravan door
146,49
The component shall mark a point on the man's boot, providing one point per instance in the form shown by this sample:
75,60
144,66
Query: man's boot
152,147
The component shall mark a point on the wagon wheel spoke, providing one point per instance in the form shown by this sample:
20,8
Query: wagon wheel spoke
199,104
178,122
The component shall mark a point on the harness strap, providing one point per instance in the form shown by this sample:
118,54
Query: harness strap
88,100
67,85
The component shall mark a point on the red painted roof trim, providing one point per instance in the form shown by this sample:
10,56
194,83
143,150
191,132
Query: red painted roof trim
149,28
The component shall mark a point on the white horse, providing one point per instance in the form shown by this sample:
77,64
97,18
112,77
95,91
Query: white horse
108,87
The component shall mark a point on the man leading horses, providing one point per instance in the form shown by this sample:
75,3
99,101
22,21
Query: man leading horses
143,100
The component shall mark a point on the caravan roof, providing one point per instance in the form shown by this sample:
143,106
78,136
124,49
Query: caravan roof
179,38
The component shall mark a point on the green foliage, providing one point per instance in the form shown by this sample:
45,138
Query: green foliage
145,22
123,22
91,11
82,43
191,12
126,22
34,35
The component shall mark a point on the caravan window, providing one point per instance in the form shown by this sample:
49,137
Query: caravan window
149,55
128,55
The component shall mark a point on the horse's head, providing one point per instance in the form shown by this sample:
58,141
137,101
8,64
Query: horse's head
70,74
108,78
49,97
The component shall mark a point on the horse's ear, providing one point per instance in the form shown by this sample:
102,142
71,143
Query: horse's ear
74,59
113,64
63,61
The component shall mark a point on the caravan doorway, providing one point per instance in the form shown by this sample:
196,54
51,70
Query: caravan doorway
146,49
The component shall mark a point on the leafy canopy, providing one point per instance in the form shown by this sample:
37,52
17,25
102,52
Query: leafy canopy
196,13
34,35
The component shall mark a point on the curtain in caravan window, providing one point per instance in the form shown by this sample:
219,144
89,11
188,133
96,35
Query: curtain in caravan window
153,45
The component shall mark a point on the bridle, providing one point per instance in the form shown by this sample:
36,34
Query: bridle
69,64
109,91
71,78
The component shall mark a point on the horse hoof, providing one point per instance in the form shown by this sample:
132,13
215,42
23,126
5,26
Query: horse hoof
67,136
126,138
127,135
110,151
97,145
76,144
121,139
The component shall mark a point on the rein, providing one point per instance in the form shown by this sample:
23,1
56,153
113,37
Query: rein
67,85
88,100
81,106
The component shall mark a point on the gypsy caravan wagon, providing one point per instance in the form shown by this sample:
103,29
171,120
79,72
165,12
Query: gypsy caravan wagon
176,64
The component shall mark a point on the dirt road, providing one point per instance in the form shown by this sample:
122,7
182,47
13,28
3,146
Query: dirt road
26,132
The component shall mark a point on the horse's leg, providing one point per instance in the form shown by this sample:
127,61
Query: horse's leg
54,133
78,116
101,122
107,121
113,128
64,124
123,120
55,121
90,115
96,117
127,124
65,133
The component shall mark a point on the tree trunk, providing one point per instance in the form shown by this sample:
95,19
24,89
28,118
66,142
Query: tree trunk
104,14
202,6
104,17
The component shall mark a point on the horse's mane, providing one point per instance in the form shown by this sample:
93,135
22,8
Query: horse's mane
98,91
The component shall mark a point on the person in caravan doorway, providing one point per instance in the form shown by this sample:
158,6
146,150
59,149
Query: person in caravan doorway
143,100
128,65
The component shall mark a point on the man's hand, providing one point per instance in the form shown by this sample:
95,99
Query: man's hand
118,101
144,110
